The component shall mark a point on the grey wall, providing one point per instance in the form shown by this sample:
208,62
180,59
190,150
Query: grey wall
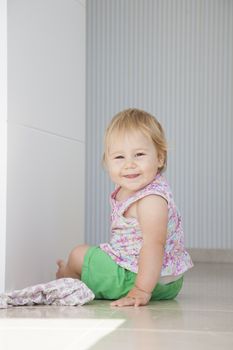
172,58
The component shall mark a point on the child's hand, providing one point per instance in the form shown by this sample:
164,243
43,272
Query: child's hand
136,297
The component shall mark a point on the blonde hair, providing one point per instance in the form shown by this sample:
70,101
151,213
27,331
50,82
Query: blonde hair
133,119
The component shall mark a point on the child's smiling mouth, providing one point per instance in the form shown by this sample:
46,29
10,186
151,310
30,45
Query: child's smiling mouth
131,176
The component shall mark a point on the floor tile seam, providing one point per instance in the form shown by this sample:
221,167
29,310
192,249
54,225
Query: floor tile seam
109,316
122,329
89,331
192,310
113,313
88,328
42,329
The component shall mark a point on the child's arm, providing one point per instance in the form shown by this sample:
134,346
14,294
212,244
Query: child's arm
152,215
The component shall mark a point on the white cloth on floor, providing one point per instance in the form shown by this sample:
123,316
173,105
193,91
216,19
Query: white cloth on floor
63,291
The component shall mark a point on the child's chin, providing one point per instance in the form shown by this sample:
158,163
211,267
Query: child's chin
135,188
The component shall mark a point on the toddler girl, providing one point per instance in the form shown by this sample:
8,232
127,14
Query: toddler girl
145,258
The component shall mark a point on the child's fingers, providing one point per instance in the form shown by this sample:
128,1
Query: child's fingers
129,301
126,301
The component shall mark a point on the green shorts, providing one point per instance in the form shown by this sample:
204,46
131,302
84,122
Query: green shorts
110,281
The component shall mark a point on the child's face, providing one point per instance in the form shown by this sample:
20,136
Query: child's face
132,161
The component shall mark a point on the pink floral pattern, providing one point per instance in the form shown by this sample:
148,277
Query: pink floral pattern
126,236
64,291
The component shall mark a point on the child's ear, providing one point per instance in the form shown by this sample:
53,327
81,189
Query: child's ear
104,163
161,160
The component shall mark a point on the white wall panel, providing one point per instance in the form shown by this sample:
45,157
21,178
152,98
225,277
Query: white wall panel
46,137
3,137
172,58
45,211
46,63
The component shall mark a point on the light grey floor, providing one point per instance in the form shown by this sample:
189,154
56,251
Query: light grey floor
200,318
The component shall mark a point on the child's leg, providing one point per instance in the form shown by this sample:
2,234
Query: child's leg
167,291
73,267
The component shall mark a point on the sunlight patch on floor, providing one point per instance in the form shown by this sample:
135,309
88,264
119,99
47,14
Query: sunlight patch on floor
59,334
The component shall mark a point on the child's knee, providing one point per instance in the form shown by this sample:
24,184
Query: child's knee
76,256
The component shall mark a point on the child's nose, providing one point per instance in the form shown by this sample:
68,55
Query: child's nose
130,163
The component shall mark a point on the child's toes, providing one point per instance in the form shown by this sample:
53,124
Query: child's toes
60,263
60,270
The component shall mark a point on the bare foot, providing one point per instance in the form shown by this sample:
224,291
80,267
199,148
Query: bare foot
61,269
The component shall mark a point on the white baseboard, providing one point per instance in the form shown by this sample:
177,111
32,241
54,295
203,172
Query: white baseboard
211,255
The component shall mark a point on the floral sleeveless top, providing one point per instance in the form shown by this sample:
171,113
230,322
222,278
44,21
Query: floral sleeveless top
126,236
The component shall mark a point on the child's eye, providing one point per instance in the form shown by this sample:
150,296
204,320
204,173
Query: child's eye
139,154
119,157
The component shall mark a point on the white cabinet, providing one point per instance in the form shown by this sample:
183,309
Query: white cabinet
45,150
